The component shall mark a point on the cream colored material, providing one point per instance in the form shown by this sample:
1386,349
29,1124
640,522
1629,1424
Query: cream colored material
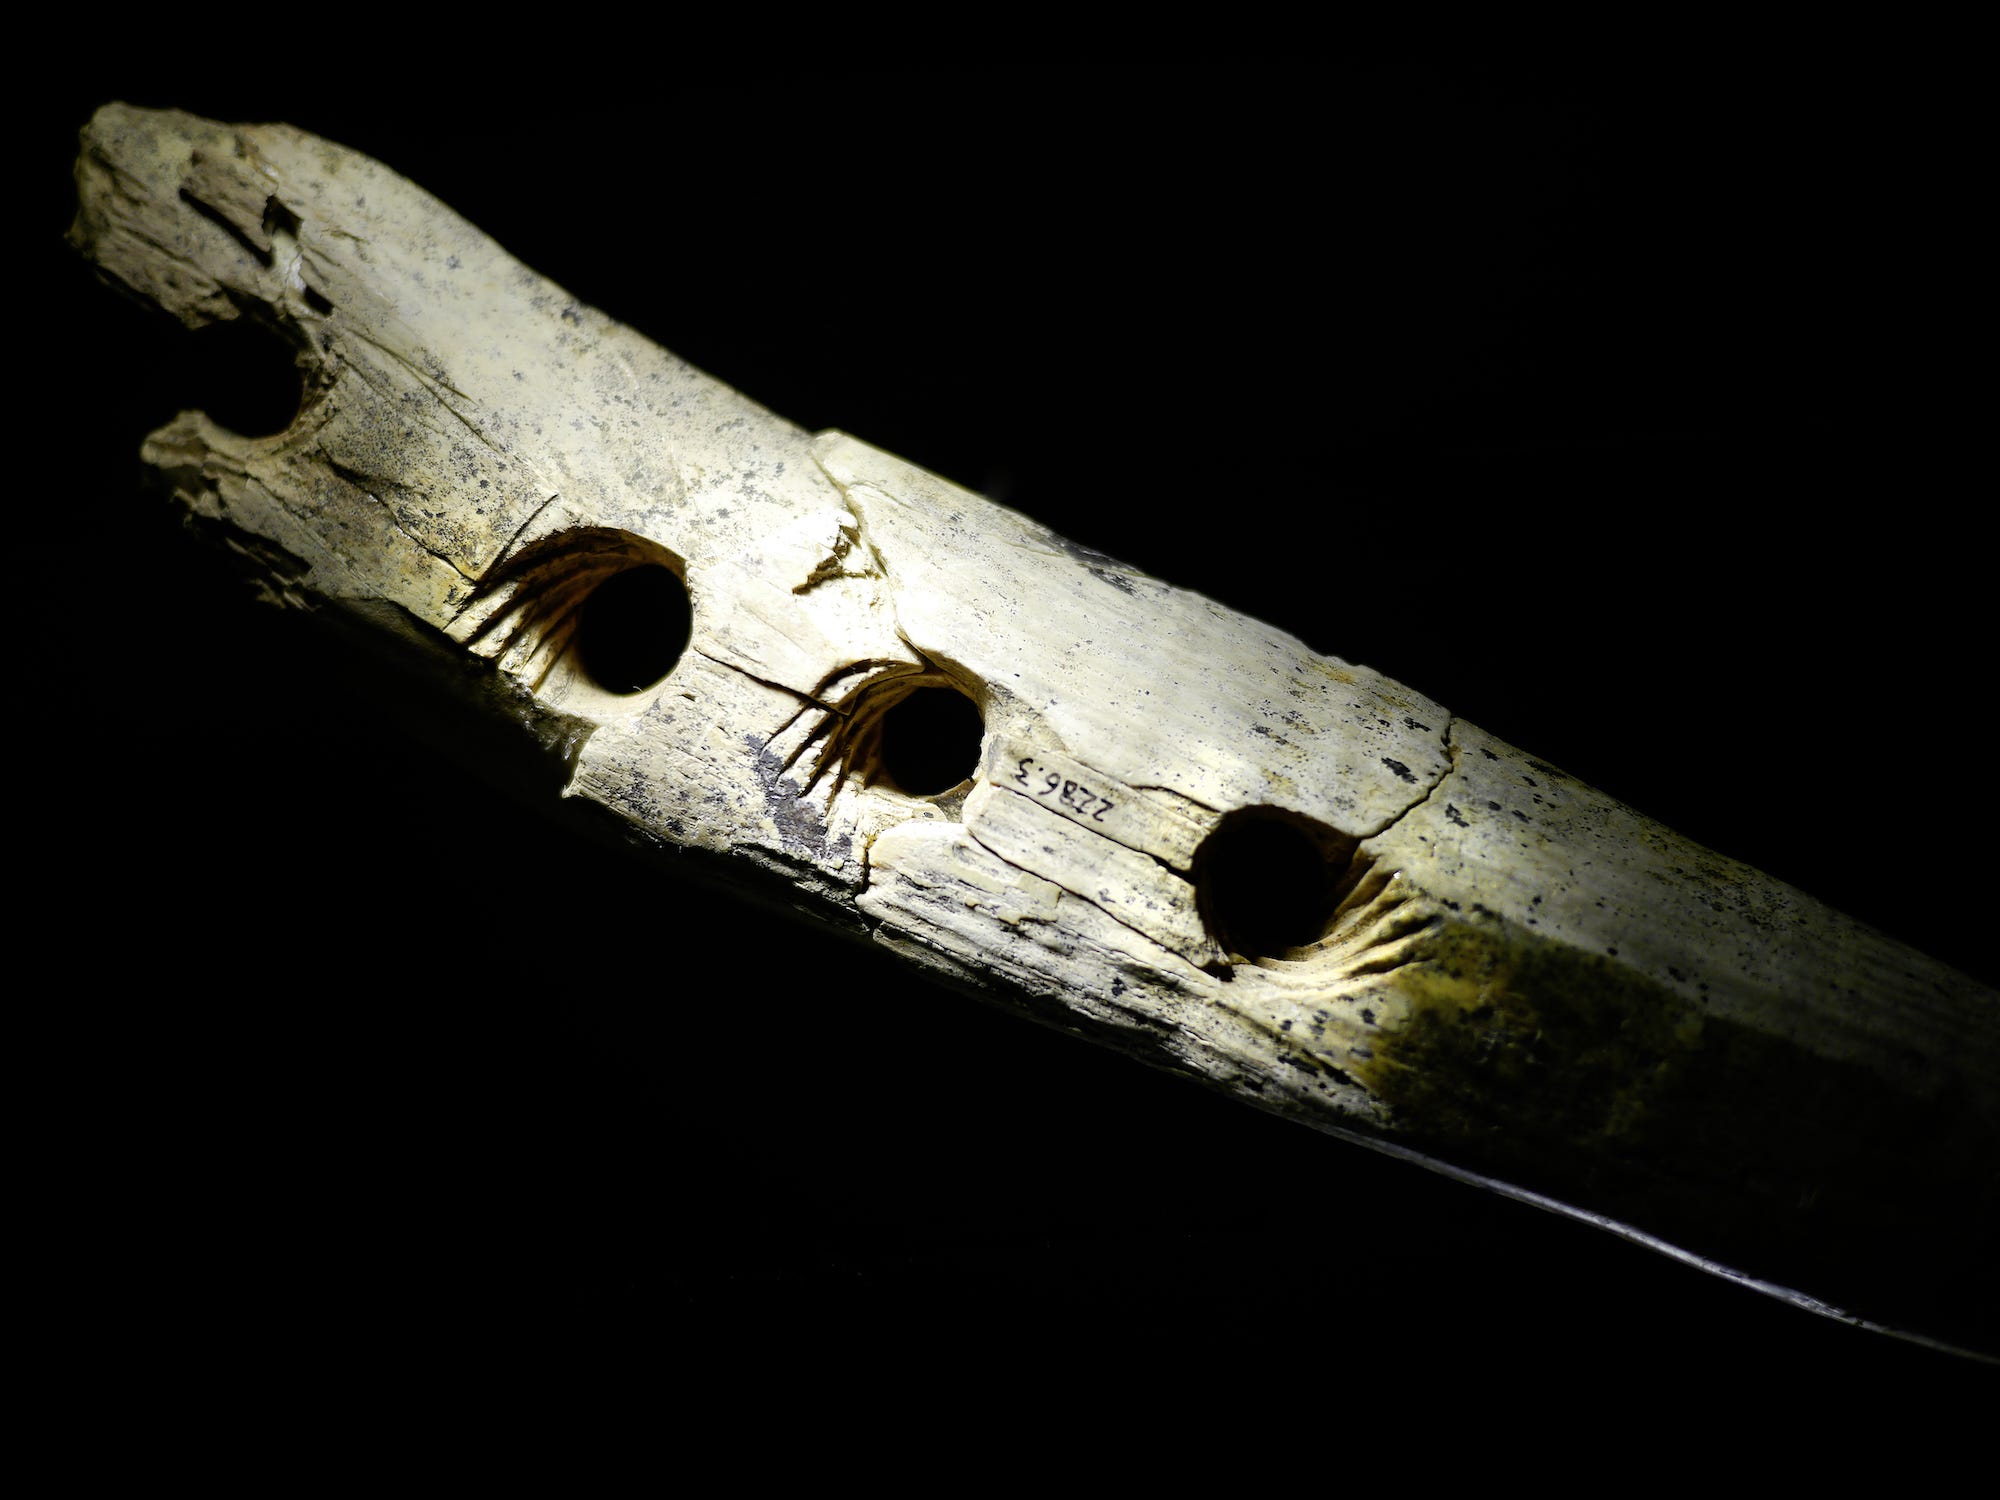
1512,975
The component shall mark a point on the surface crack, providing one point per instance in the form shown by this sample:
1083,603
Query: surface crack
1174,791
973,834
862,535
1451,767
434,385
361,482
767,682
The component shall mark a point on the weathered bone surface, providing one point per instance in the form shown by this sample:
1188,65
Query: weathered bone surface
1182,833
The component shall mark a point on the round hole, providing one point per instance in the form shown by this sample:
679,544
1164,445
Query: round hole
244,376
1267,883
633,628
930,741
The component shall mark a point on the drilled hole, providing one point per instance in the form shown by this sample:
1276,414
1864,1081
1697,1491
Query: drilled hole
1266,881
243,375
633,628
930,741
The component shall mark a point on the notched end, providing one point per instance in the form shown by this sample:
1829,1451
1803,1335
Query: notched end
186,217
161,209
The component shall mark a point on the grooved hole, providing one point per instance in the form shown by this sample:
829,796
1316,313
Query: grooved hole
1267,881
633,628
930,741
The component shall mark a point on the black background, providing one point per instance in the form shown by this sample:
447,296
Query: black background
1626,417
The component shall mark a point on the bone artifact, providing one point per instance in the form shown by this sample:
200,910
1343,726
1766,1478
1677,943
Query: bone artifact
800,663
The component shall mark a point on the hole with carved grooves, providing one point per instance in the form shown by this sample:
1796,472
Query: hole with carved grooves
930,741
1267,881
632,628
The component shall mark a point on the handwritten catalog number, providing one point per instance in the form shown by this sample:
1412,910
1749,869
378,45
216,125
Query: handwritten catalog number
1071,794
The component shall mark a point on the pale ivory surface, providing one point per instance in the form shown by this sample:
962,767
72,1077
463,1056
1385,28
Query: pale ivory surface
480,452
